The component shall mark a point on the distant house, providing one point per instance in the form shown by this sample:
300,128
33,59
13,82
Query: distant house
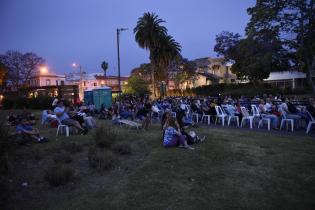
287,79
48,79
112,82
208,71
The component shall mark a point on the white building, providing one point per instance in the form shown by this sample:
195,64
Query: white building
47,79
287,79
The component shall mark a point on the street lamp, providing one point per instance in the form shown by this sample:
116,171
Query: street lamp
118,56
80,85
43,70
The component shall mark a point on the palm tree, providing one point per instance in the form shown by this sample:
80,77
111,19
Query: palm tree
167,51
104,66
148,33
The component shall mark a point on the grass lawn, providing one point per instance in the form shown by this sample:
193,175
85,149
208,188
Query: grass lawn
233,169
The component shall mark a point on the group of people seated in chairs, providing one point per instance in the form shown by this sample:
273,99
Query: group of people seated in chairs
270,107
174,113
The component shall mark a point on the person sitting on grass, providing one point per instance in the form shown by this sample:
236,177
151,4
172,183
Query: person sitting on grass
12,119
144,115
173,137
24,129
29,116
66,120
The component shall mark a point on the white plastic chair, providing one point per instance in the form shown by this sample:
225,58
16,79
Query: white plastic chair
262,118
255,112
230,117
207,117
61,127
246,116
220,114
310,122
196,115
287,122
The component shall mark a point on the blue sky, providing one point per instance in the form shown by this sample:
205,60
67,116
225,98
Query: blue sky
84,31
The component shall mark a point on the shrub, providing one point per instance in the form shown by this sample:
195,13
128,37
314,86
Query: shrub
14,101
5,147
72,147
122,148
102,160
62,157
59,175
7,103
106,137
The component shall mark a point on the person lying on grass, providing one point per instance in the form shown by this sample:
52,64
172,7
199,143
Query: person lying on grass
173,137
24,129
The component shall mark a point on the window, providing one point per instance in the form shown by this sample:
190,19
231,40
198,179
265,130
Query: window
62,82
47,82
84,83
95,84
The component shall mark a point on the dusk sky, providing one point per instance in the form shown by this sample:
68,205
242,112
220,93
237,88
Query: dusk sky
84,31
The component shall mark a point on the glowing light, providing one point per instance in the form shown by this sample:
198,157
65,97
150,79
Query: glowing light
74,64
43,70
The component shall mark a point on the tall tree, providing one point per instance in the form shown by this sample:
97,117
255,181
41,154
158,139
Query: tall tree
104,66
137,85
151,35
182,70
251,60
143,72
293,23
3,72
167,51
225,43
20,67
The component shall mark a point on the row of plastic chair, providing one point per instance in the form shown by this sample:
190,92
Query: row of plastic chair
222,114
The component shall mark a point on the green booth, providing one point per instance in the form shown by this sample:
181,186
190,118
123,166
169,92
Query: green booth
88,97
101,96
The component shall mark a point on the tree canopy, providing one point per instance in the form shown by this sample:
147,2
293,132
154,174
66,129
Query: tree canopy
137,85
20,67
292,23
104,66
150,34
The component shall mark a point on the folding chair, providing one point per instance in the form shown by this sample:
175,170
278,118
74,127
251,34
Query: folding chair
310,122
246,116
230,117
61,127
220,114
262,118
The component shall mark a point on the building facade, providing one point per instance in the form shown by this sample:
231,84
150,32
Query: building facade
287,79
48,79
208,71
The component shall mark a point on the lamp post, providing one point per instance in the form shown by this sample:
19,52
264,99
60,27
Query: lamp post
118,56
80,84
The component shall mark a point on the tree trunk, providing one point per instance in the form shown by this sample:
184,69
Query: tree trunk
152,70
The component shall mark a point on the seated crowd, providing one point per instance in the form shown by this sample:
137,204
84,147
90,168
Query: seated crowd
174,113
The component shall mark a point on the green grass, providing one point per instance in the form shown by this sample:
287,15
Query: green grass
233,169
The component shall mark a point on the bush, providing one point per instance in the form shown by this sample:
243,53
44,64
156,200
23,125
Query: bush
59,175
14,101
122,148
105,137
62,157
5,147
8,103
102,160
72,147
